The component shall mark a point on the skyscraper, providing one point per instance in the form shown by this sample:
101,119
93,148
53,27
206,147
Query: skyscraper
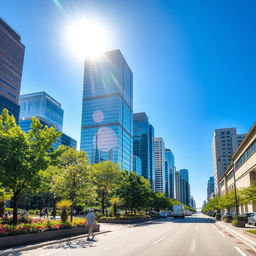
143,144
178,186
210,188
48,111
169,171
159,165
224,144
11,66
43,106
106,132
185,187
137,165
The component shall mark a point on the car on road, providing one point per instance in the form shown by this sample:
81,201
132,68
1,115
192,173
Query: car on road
246,215
163,214
178,211
252,219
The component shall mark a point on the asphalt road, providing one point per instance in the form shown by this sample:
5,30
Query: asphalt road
195,235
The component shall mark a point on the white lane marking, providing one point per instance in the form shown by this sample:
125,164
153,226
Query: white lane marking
156,242
48,253
193,246
221,233
252,247
240,251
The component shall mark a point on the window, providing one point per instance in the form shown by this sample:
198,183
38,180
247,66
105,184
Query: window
228,132
222,133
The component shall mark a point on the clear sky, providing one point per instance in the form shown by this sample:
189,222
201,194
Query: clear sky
193,63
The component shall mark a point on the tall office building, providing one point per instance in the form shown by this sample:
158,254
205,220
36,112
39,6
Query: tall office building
193,203
169,173
159,154
106,132
137,165
210,188
224,144
143,144
43,106
48,111
11,66
178,186
185,187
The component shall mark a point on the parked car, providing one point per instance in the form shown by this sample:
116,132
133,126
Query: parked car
252,219
163,214
246,215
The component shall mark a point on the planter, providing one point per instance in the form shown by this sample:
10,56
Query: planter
25,239
126,221
240,224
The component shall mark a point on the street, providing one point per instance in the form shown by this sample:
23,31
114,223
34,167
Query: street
194,235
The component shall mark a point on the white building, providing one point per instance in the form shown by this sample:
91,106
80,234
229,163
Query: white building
224,144
159,165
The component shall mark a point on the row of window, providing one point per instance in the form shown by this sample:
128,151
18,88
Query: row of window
246,155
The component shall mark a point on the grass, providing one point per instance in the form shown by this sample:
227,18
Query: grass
252,231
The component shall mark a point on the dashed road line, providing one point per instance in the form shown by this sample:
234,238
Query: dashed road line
222,234
240,251
156,242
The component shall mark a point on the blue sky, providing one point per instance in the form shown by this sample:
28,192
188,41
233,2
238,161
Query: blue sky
193,63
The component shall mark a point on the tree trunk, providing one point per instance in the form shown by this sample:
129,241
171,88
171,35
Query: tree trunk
71,213
103,206
15,208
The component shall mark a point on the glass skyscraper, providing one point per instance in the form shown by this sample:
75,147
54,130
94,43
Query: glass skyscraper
169,172
185,187
11,65
106,131
43,106
143,145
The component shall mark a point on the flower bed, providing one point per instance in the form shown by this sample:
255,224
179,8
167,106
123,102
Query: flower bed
37,226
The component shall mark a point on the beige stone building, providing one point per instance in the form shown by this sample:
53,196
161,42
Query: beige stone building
244,161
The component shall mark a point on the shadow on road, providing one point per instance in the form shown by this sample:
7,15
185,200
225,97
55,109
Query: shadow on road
73,244
192,220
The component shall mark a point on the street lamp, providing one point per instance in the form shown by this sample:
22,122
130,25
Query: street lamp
234,176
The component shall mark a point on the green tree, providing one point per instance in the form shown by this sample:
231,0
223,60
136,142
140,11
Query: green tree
161,201
248,195
105,177
4,196
71,177
134,191
23,155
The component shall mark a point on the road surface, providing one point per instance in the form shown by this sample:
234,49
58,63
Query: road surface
196,235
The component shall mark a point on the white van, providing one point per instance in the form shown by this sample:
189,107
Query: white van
178,211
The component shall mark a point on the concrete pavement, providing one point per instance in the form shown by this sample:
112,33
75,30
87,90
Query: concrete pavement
196,235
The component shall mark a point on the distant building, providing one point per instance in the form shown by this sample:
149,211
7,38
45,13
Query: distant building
143,144
11,66
244,160
42,105
137,165
64,139
178,185
185,186
159,165
193,203
169,173
224,144
106,130
210,188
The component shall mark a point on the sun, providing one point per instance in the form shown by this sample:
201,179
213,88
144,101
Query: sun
87,38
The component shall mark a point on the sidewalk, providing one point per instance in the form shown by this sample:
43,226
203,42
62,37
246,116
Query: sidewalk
239,233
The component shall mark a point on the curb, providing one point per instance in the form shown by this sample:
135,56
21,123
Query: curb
249,233
35,246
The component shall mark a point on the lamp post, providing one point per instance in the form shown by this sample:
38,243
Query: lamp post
234,176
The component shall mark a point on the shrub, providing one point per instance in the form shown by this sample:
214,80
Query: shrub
64,205
21,219
218,216
228,218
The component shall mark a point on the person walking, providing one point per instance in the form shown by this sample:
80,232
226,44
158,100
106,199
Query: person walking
90,220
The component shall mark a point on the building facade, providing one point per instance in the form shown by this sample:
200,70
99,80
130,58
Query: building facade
210,188
41,105
169,173
143,144
107,109
137,165
159,154
177,186
11,66
224,144
185,187
244,163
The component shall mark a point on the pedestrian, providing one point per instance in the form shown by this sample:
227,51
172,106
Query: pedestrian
54,213
90,220
46,212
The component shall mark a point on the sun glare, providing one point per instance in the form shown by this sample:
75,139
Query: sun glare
86,38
